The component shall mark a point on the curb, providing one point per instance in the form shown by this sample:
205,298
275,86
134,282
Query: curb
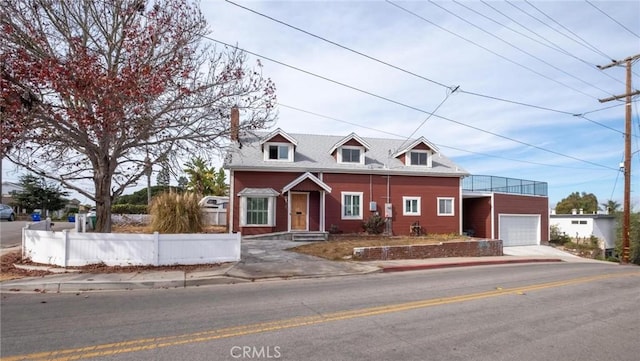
466,264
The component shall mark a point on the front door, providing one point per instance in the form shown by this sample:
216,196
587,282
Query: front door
299,206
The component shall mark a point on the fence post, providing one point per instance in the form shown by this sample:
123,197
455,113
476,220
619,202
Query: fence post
65,241
156,248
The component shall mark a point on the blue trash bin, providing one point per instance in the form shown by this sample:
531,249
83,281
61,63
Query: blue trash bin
35,217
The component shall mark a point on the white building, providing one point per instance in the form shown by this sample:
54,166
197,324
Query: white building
576,226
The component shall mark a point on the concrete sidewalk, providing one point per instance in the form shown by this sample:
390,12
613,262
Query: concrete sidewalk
260,261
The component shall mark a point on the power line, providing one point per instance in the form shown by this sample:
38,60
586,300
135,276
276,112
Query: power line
408,106
438,145
397,67
514,46
614,20
551,45
593,49
429,116
489,50
567,29
337,44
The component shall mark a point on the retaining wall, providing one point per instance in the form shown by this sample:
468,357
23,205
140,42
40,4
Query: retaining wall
472,248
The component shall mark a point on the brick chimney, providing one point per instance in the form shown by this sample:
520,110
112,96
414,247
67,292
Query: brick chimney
235,124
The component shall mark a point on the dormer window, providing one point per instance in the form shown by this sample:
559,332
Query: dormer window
351,154
278,152
419,158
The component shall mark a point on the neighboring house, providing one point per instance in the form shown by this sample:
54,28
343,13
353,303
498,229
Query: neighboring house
513,210
583,226
282,182
7,189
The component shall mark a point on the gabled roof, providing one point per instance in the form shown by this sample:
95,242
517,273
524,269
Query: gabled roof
304,177
312,155
282,133
352,136
414,144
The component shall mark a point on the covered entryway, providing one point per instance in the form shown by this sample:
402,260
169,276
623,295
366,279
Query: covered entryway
299,211
519,229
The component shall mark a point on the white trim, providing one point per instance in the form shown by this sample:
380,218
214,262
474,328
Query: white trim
271,211
407,158
422,140
352,136
232,201
361,149
453,206
280,132
418,212
266,152
304,176
351,217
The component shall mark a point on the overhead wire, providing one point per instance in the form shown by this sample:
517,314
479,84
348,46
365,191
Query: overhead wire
551,45
428,117
557,31
614,20
407,105
488,50
440,145
518,48
460,90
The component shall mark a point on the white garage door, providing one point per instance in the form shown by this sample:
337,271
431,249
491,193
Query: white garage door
519,229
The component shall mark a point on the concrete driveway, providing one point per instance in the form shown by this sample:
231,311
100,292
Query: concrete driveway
543,251
266,258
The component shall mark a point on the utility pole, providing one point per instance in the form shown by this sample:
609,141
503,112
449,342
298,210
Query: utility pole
626,221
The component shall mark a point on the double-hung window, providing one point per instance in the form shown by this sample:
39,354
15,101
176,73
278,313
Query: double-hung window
351,154
445,206
419,158
411,206
351,205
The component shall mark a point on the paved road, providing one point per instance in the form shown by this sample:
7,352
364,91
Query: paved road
11,232
562,311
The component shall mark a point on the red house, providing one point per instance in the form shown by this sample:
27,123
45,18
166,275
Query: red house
305,185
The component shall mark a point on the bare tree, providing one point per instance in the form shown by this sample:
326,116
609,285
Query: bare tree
91,88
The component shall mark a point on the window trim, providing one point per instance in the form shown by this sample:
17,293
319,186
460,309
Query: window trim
361,149
267,147
271,211
360,205
453,206
427,152
405,199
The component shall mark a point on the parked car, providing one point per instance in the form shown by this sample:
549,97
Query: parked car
7,213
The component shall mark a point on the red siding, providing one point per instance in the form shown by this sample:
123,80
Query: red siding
373,187
477,216
518,204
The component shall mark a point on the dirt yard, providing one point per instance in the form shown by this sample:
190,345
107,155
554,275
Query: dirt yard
342,248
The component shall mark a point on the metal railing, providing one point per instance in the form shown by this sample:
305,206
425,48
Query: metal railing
488,183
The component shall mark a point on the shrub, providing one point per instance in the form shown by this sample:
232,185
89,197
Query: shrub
558,237
176,213
374,225
129,209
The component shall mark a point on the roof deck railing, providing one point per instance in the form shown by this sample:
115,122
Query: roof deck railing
488,183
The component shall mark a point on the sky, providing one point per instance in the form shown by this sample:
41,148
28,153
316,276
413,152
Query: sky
508,89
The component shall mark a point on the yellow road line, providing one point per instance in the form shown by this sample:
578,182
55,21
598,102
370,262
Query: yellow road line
228,332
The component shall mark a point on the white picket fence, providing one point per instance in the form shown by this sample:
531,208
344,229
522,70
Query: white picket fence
70,248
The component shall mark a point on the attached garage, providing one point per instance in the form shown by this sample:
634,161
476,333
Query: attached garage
519,229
